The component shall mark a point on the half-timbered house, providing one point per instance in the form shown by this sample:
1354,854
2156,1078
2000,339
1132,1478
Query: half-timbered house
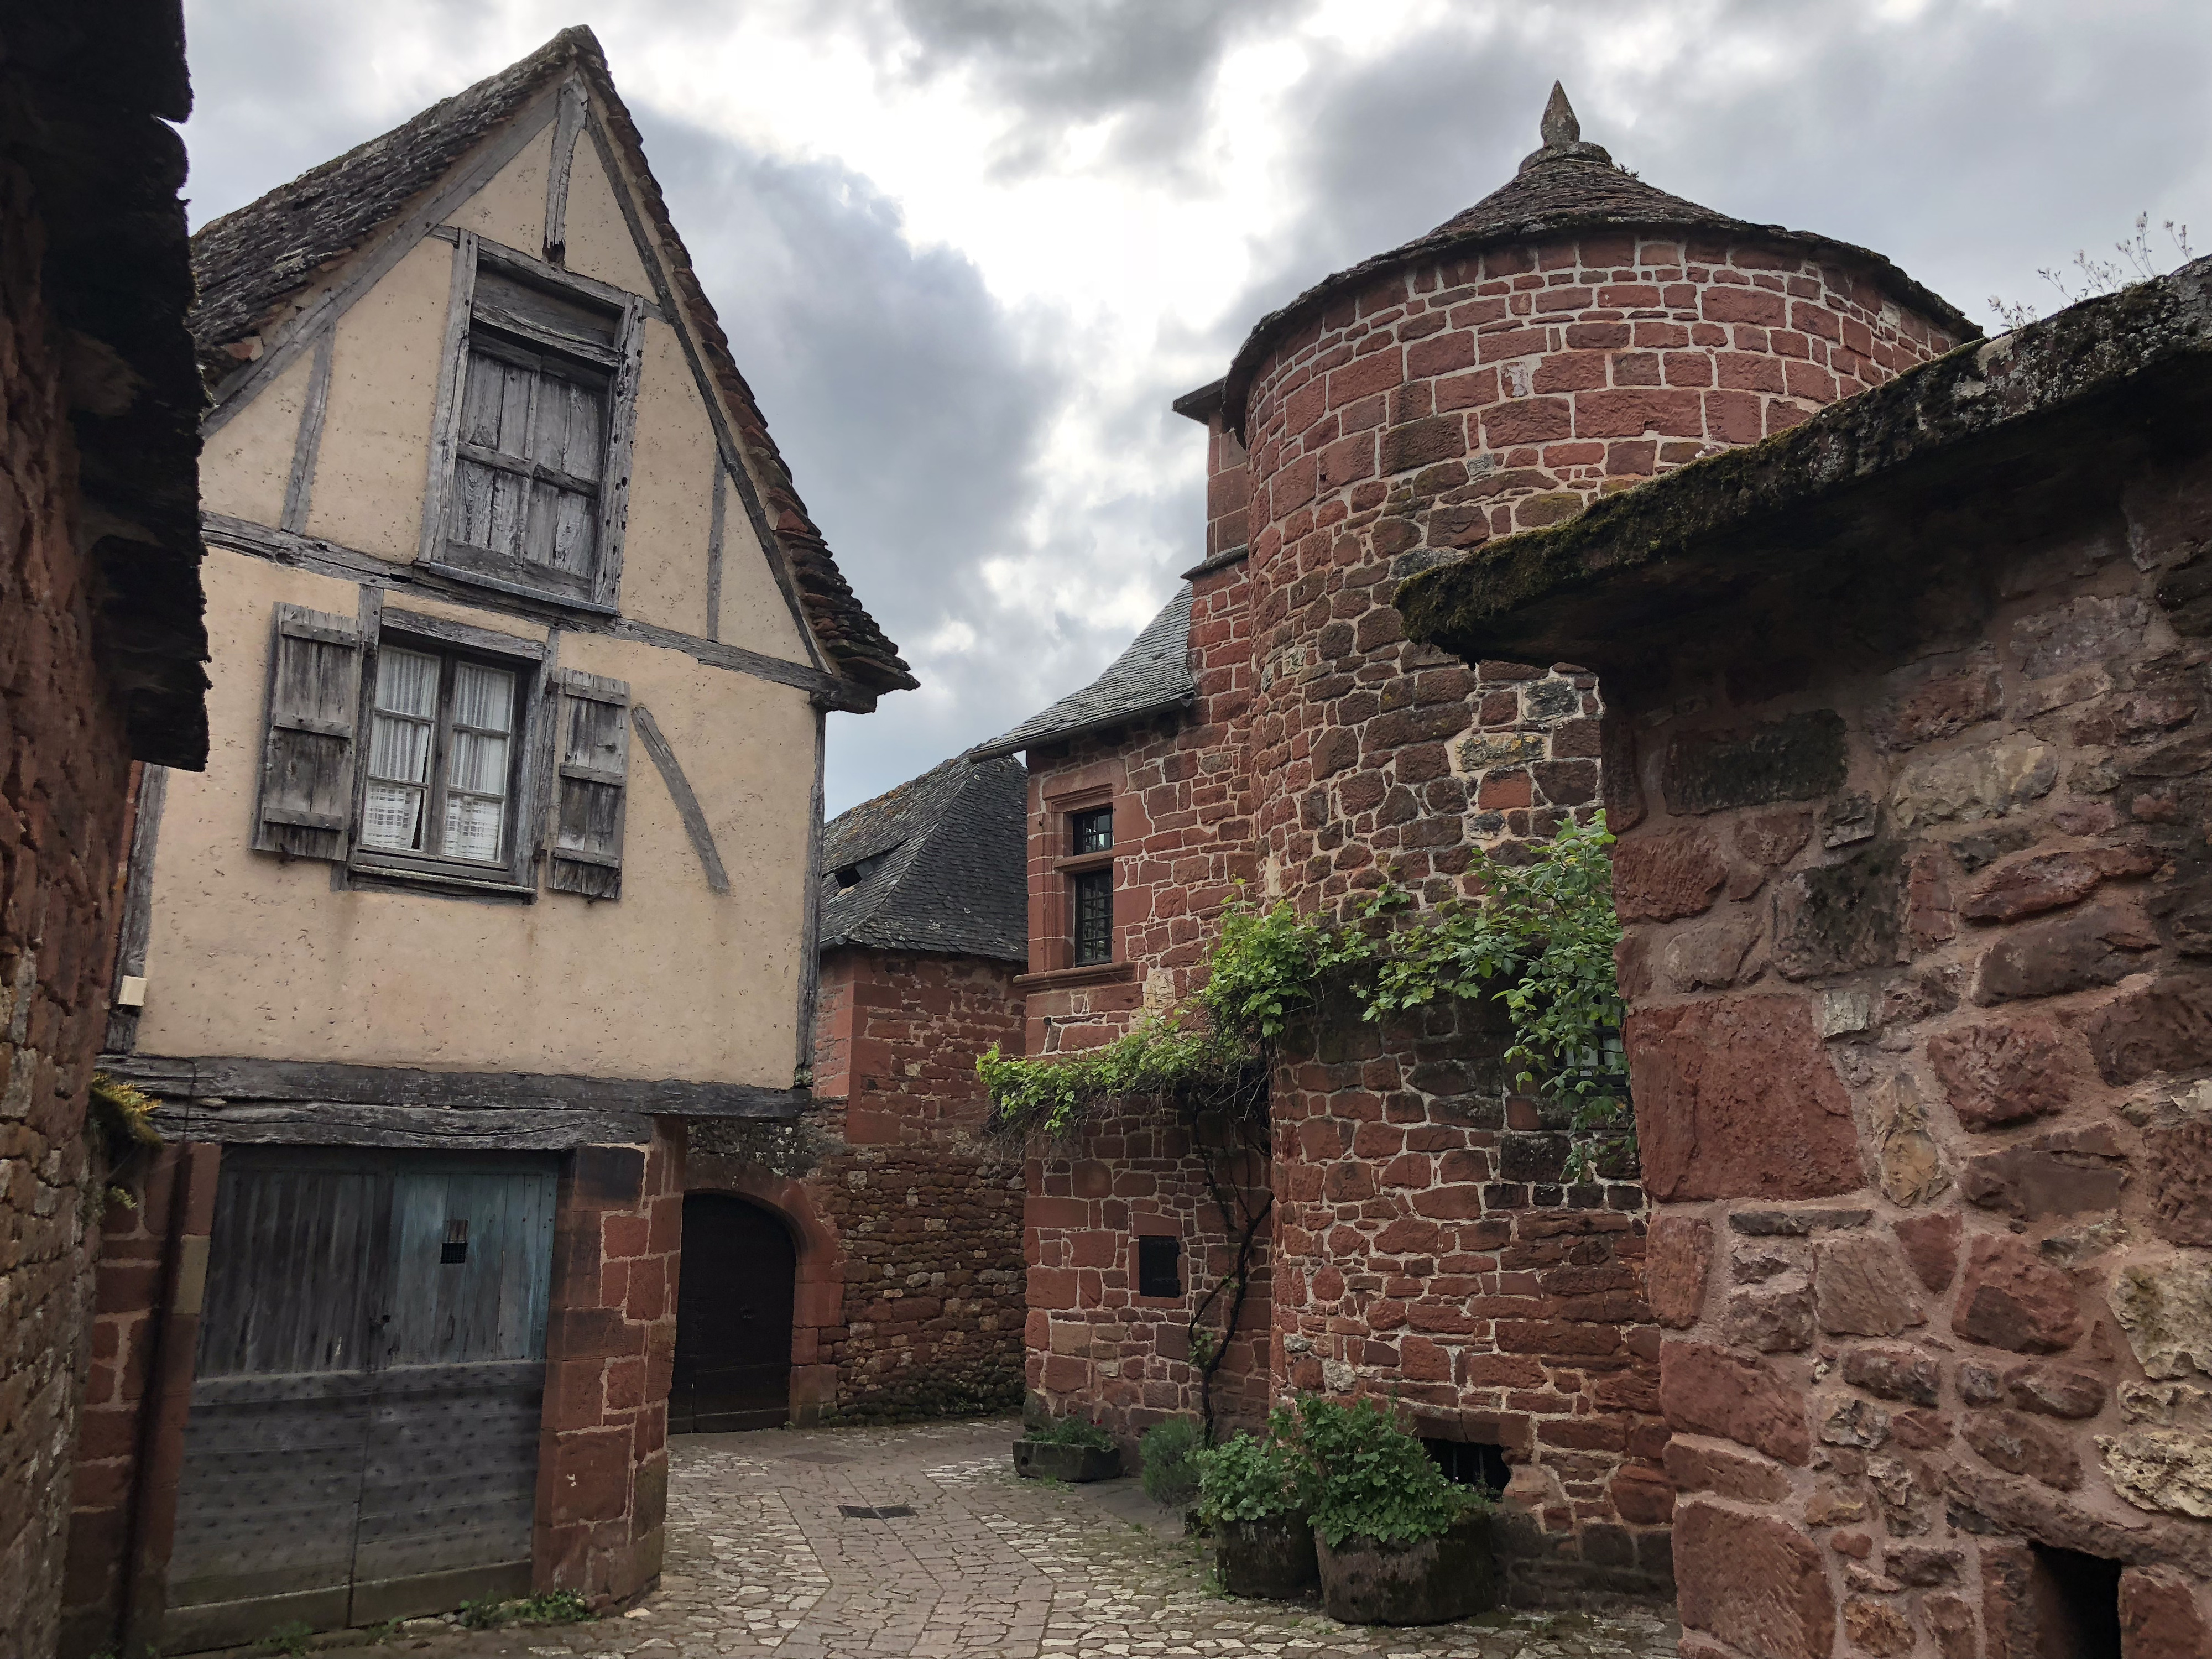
500,874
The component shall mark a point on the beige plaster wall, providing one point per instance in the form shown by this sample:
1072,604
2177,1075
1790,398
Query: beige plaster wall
600,242
375,455
251,955
672,499
511,209
247,464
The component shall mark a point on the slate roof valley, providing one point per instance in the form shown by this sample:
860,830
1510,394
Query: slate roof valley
938,864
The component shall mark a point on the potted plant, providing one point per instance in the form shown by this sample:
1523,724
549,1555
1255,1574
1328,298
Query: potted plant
1398,1543
1252,1497
1070,1449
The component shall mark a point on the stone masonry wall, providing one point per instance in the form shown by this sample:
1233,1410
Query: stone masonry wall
1099,1349
1429,1254
64,771
1922,1046
610,1341
1446,404
907,1217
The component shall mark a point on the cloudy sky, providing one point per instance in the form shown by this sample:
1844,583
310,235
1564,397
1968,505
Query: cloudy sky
968,250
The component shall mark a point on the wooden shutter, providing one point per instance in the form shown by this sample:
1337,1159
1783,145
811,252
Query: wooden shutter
306,762
591,784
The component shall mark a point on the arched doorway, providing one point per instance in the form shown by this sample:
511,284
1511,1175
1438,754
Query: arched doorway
733,1307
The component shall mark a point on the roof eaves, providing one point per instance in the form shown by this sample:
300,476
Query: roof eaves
1022,738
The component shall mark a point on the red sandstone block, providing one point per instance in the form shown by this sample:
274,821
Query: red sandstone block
1502,790
1571,370
1689,368
1636,369
1631,414
1743,305
1815,319
1440,354
1528,421
1378,371
624,1235
1809,380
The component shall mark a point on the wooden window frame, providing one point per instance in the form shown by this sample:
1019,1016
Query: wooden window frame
1066,865
515,874
511,335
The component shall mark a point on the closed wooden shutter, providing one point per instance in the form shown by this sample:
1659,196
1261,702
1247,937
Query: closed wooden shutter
592,783
307,762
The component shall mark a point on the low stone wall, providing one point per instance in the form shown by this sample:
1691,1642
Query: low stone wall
1921,1047
1099,1348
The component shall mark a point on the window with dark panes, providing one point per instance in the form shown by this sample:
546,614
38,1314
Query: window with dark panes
1092,832
441,757
1159,1266
1094,916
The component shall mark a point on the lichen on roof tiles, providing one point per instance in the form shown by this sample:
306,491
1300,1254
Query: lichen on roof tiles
942,865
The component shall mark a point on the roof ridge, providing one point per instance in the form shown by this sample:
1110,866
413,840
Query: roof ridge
247,278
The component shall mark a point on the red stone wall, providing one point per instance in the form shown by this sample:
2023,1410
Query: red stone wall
63,787
1430,1252
1097,1347
907,1215
1921,1047
603,1455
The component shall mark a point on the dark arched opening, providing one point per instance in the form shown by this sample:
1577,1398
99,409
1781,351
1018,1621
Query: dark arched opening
733,1308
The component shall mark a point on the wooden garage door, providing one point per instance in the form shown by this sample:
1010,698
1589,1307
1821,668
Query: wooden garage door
363,1438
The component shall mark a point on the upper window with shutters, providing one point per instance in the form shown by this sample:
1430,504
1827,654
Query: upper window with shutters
428,751
532,455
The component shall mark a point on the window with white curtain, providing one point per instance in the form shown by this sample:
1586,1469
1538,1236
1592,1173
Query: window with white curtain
442,748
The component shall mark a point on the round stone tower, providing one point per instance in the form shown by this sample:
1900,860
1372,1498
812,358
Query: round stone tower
1573,333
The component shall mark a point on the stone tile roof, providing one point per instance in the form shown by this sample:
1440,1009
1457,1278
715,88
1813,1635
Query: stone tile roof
1802,522
1567,185
90,167
940,863
1151,675
256,264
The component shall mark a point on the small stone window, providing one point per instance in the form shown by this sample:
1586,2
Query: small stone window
1092,831
1159,1266
1094,915
1470,1463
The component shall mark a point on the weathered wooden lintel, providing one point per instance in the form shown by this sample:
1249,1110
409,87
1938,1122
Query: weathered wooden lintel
242,1083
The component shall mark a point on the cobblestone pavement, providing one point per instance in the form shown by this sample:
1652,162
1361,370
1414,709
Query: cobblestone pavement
762,1560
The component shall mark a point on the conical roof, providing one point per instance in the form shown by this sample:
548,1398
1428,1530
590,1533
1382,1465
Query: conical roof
1563,186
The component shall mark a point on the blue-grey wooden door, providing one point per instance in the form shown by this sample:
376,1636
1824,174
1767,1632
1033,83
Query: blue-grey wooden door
362,1443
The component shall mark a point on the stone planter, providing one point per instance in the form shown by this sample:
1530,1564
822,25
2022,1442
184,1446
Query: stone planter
1038,1460
1453,1577
1272,1560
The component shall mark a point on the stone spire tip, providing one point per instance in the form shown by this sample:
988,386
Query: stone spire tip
1559,127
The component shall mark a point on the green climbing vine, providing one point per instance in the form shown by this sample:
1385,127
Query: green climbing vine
1539,939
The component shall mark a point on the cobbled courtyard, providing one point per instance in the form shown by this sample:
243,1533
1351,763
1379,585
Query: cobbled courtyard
763,1558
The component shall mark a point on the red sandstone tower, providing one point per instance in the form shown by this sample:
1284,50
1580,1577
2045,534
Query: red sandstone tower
1573,333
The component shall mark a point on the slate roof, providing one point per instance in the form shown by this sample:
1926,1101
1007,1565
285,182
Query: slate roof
1151,675
255,267
943,865
1567,185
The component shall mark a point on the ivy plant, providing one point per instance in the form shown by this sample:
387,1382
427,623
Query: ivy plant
1539,939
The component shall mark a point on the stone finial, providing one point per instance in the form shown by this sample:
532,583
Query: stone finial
1559,126
1563,135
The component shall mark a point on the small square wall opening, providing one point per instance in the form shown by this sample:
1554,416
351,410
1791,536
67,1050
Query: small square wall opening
2074,1603
1470,1462
1159,1266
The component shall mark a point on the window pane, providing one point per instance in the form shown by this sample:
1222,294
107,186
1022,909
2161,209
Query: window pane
399,750
472,827
1093,831
393,818
1094,917
479,765
406,682
483,697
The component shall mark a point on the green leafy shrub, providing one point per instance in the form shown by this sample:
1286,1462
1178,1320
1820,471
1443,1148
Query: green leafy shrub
1246,1478
1165,1452
1072,1431
1372,1480
1540,939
